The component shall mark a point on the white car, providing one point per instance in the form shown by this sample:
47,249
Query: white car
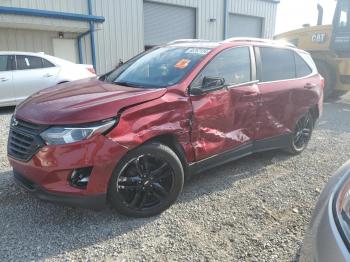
23,73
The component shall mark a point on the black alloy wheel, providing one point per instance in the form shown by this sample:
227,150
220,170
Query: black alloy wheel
147,182
302,134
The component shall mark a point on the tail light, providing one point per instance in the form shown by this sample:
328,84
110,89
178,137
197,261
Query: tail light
341,210
91,69
322,82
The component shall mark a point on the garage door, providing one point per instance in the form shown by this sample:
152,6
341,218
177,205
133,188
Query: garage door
244,26
164,23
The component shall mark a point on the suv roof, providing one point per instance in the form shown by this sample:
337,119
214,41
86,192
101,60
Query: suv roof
213,44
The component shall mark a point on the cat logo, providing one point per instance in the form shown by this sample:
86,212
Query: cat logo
319,38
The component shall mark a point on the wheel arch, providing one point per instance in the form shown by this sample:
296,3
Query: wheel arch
315,113
172,142
62,82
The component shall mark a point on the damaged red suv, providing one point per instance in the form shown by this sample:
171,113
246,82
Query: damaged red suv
130,137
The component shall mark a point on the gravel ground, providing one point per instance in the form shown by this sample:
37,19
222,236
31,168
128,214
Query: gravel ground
254,209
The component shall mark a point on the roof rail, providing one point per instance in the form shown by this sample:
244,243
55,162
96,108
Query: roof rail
180,41
260,40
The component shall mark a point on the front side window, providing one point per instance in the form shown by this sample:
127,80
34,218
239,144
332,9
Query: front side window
161,67
233,65
4,63
277,64
28,62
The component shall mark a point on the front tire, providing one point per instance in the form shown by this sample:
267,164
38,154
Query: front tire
147,181
301,136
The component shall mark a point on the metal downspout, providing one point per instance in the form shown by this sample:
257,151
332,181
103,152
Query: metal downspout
92,36
80,47
225,18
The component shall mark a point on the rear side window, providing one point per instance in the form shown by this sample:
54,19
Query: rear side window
4,62
302,68
277,64
28,62
233,65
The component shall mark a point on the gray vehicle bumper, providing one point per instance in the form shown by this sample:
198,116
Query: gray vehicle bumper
323,241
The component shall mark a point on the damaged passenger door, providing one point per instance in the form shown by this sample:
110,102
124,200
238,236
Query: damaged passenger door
224,115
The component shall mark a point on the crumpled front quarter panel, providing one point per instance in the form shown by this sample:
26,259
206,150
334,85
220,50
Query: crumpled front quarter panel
168,115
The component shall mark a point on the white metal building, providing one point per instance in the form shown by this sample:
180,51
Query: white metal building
103,31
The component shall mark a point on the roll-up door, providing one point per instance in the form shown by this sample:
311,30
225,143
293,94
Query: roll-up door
164,23
244,26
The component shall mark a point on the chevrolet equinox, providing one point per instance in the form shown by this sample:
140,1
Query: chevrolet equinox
131,137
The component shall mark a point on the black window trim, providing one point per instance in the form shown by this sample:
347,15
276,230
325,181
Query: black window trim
253,68
259,65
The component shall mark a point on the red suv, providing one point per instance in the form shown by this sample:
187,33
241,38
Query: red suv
131,137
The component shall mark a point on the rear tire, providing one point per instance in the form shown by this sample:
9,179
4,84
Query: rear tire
301,136
147,181
329,78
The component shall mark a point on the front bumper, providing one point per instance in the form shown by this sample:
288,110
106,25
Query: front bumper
94,201
47,174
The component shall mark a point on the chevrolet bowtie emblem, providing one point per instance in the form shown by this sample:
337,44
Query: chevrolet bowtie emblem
14,122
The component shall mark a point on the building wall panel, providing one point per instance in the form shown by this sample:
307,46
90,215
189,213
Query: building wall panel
41,23
121,36
26,40
70,6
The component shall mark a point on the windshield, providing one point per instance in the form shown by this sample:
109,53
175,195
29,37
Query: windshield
161,67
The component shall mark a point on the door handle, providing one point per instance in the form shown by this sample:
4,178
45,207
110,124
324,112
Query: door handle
250,94
47,75
309,86
4,79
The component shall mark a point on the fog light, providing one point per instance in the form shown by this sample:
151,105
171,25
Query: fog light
80,177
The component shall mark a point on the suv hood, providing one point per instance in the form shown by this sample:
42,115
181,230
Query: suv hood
83,101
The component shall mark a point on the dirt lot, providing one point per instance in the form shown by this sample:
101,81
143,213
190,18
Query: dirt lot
254,209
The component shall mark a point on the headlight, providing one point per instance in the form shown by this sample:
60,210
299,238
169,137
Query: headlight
341,210
65,135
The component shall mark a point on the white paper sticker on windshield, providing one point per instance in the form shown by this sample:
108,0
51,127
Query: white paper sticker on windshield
199,51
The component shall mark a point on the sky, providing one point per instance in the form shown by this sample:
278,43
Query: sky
292,14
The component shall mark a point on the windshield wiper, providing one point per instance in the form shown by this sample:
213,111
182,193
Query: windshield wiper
125,83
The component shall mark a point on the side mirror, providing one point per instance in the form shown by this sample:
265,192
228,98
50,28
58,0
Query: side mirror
213,83
197,91
209,84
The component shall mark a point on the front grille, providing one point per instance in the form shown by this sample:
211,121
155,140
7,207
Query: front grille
24,139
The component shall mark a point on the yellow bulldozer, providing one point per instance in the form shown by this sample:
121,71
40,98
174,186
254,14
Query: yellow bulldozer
329,46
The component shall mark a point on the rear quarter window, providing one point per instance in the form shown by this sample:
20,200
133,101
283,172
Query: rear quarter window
302,68
47,64
308,59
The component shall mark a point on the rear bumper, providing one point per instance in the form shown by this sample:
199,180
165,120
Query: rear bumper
96,202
